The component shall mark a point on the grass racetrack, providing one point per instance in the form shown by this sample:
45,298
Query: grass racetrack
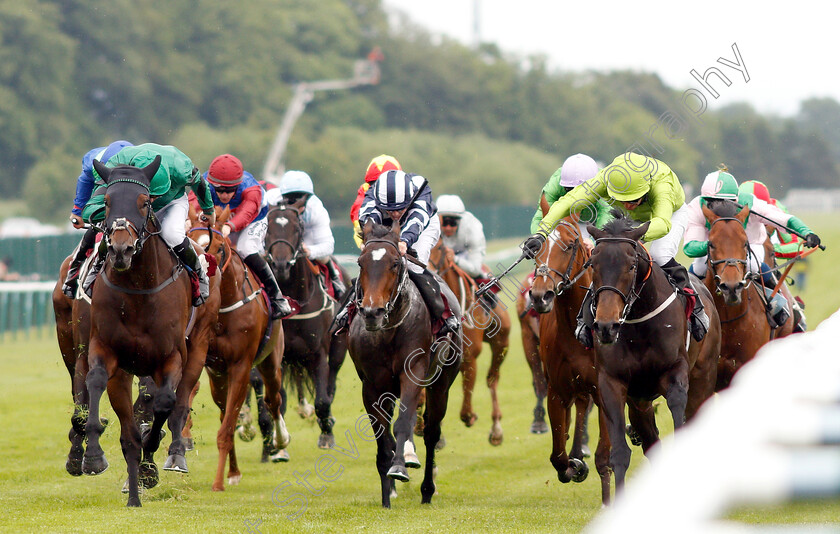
511,488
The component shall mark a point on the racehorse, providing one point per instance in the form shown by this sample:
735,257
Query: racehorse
309,347
391,344
244,337
737,295
529,330
642,346
561,280
492,326
140,313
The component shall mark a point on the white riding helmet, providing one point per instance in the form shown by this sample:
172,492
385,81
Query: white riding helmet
296,182
450,205
577,169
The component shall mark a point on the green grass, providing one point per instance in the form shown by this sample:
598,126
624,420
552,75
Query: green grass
511,488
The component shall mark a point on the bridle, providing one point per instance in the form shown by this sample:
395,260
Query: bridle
635,289
227,253
295,248
397,289
566,279
746,280
142,234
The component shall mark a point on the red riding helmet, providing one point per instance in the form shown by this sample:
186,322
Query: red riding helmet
380,164
225,171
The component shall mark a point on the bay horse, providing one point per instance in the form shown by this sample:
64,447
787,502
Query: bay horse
310,351
243,337
561,279
737,294
391,345
529,330
479,326
642,346
140,313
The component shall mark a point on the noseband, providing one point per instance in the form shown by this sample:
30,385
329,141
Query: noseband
635,290
566,279
295,248
396,290
727,262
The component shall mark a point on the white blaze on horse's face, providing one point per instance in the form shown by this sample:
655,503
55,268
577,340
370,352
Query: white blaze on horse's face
282,221
378,254
203,241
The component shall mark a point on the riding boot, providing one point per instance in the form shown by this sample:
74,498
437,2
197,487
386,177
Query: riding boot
188,257
95,268
71,281
335,278
799,320
699,322
429,289
280,307
777,310
585,320
345,311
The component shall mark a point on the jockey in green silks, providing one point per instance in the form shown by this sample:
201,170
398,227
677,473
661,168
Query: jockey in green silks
646,190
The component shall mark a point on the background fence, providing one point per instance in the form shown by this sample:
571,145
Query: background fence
26,307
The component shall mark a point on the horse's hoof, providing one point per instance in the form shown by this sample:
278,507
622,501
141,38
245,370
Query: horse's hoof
176,462
233,480
440,444
469,419
585,452
188,444
74,462
634,436
145,428
398,472
125,487
220,487
495,439
326,441
394,493
148,475
581,470
306,411
94,465
280,456
133,502
246,433
539,427
411,460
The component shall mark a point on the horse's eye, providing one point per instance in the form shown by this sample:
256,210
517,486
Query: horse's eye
359,262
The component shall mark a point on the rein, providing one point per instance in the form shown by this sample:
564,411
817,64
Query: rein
566,279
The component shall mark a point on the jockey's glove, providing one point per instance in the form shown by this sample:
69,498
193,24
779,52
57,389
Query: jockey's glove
531,247
812,240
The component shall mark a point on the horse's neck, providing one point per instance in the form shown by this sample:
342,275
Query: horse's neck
301,280
234,280
459,282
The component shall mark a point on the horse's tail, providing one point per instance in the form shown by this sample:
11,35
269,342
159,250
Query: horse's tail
297,379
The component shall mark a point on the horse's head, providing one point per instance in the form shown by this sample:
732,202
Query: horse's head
728,248
284,238
382,273
128,209
616,274
440,258
212,240
554,265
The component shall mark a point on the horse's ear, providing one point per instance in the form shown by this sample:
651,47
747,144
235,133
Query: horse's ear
152,168
709,214
367,229
742,215
595,232
102,170
395,227
638,232
223,217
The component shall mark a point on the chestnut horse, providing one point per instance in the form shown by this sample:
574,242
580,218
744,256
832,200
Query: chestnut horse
139,314
561,280
480,325
310,350
391,344
737,295
244,337
642,346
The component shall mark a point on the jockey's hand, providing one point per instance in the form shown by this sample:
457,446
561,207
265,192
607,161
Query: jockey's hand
76,221
403,247
450,255
812,240
209,219
588,244
305,250
531,247
226,230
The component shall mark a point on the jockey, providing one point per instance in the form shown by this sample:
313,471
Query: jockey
723,186
376,167
170,205
389,200
575,170
646,190
84,189
785,245
233,187
463,233
296,188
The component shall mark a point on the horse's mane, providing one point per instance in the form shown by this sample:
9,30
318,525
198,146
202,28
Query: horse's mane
620,223
380,231
722,207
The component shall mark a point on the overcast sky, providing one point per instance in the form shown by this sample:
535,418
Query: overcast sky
789,49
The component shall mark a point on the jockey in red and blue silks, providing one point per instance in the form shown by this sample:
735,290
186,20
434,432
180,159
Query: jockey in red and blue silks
232,187
85,184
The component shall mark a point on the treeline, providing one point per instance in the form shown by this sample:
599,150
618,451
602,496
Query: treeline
214,77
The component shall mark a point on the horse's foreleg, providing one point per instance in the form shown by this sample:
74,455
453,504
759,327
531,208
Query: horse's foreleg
558,415
675,386
275,435
119,393
530,343
81,400
499,345
437,398
320,371
468,370
578,468
613,398
379,410
186,435
643,423
238,382
602,457
103,364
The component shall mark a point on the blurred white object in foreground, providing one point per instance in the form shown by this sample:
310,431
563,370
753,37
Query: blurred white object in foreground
773,436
